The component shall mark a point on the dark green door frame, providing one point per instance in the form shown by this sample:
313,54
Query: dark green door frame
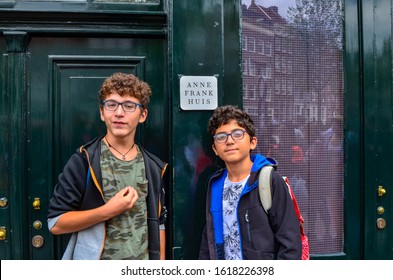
204,41
13,144
378,128
353,131
368,128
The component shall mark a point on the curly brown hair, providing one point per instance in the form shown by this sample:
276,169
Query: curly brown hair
126,85
224,114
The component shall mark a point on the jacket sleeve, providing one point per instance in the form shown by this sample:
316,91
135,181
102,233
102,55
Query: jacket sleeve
163,210
69,190
204,248
284,221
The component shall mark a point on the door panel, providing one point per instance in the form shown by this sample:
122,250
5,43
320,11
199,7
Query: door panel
13,147
63,77
378,128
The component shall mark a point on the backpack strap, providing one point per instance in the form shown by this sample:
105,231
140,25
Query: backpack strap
295,204
264,183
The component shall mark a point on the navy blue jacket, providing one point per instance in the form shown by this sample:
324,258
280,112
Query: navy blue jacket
275,235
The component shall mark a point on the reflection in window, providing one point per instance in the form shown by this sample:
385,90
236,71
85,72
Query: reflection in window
244,43
251,45
298,97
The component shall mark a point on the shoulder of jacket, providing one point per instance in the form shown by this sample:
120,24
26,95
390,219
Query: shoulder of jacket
218,173
152,157
90,146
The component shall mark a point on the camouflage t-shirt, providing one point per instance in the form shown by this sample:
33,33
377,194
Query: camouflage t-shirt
126,234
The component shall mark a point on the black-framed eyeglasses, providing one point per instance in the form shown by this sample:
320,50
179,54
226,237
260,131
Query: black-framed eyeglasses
128,106
222,137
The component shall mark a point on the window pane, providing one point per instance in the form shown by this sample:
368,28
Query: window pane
293,86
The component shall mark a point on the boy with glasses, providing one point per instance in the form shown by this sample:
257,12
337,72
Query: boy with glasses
237,227
110,195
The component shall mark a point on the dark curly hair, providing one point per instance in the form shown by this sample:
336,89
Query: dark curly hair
126,85
224,114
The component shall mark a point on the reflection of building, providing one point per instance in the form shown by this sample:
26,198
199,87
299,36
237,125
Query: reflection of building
290,75
292,83
258,43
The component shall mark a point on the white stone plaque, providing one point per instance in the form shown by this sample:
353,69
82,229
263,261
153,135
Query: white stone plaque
198,93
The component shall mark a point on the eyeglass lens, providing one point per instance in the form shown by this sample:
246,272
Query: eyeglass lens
112,105
237,134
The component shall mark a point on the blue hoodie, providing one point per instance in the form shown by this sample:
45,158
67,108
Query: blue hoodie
259,161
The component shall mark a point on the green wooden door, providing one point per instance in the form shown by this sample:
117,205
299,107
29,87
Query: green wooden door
49,108
378,128
54,56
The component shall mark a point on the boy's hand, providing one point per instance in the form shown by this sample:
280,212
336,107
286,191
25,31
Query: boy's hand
130,194
122,201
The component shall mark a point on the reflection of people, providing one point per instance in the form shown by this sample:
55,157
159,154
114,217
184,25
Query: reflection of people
335,160
237,227
286,139
110,194
298,183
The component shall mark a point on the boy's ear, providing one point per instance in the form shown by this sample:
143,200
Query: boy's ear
102,114
214,149
143,116
253,143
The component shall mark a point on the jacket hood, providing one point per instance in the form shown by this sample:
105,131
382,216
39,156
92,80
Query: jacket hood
91,145
260,161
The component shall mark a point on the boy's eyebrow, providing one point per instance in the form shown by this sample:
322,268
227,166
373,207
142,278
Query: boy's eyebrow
241,128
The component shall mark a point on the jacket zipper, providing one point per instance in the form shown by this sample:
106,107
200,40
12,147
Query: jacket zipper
248,226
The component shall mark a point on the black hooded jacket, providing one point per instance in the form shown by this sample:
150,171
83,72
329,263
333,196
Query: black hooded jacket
79,188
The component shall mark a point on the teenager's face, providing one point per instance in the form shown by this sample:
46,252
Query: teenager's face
234,151
121,124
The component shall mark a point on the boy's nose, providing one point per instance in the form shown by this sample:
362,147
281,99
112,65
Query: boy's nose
230,139
119,110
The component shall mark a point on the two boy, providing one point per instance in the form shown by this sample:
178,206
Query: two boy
110,195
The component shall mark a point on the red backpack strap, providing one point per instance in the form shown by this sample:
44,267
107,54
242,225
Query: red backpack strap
299,216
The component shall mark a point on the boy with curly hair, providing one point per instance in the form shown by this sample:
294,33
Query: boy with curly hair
110,195
237,227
